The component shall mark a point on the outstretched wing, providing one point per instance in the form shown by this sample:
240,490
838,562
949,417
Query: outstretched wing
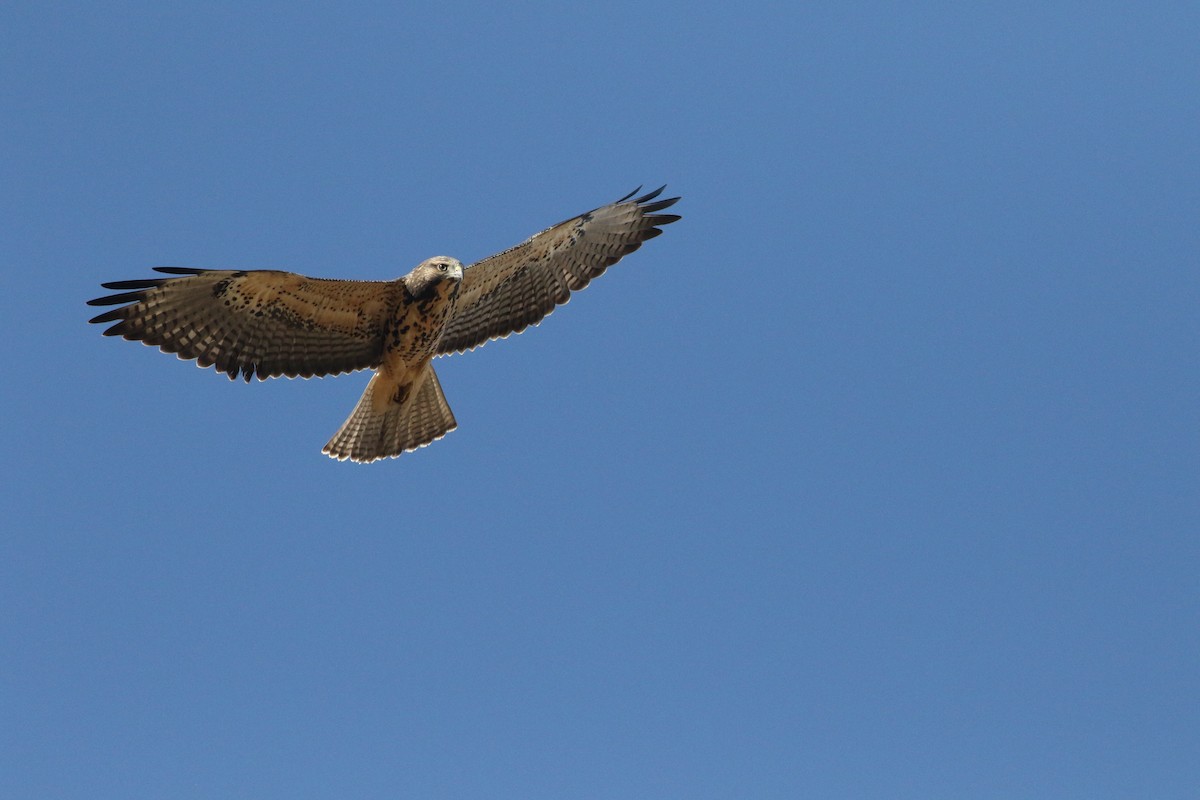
262,322
507,292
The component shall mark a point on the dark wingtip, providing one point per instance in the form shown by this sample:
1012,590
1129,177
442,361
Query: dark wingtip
650,195
145,283
180,270
631,194
139,287
115,299
108,316
650,208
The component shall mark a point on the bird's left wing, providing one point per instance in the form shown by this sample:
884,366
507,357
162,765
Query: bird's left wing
507,292
260,322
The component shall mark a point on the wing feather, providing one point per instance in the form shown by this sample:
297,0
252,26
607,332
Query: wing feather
262,322
508,292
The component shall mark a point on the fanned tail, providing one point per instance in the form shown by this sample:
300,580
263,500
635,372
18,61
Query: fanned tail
391,419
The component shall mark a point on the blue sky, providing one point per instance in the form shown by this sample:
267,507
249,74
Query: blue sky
875,476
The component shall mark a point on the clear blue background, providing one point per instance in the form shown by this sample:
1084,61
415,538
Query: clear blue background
876,476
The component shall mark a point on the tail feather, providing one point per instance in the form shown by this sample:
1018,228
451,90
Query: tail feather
383,427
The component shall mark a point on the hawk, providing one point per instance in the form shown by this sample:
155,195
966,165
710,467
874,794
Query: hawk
268,323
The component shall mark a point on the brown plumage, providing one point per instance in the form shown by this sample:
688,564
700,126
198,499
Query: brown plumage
268,323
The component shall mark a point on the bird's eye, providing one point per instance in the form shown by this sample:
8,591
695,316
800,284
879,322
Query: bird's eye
442,267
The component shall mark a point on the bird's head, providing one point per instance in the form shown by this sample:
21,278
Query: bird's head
437,274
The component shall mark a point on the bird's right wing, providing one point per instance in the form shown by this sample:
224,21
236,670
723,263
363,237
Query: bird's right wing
261,322
510,291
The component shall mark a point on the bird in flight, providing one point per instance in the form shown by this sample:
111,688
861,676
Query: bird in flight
268,323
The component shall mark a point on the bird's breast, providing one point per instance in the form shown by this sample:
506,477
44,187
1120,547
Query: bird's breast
417,328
